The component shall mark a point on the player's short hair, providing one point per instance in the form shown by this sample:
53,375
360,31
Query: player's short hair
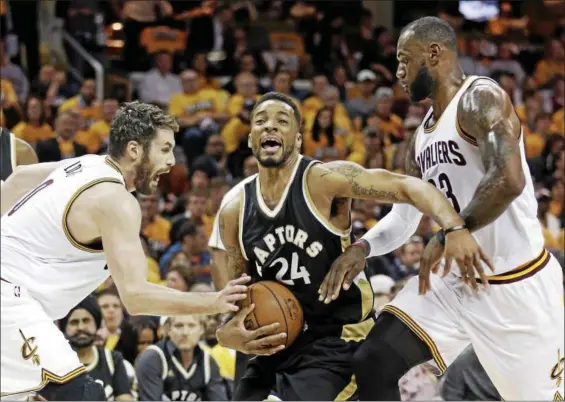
136,121
277,96
433,29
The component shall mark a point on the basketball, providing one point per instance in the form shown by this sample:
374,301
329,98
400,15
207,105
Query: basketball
274,303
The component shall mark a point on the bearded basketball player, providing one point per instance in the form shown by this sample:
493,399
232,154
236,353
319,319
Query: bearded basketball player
52,255
470,146
288,224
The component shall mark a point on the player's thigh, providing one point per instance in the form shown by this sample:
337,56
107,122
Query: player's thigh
315,384
433,317
517,332
34,351
255,384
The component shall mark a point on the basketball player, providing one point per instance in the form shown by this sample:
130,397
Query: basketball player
13,152
52,256
470,145
288,224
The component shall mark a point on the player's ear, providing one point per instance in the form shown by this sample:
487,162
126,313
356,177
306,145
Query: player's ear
249,140
134,150
298,142
434,52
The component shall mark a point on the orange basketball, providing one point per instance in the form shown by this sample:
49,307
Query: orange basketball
274,303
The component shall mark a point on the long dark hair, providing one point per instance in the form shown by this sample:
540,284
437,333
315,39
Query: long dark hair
42,116
329,132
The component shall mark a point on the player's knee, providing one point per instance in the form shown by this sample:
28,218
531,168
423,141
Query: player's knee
377,361
82,388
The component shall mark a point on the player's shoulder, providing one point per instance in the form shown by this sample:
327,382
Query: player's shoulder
480,92
236,191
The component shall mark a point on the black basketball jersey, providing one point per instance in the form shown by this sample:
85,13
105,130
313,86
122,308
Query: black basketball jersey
108,369
199,382
7,154
295,246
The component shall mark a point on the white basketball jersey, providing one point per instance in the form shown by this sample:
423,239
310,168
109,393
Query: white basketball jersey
37,250
450,160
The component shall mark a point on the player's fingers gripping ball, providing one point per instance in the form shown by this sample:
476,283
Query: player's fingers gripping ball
274,303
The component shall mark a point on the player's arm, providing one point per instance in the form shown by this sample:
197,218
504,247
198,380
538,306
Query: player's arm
486,113
23,179
118,217
219,265
232,333
350,180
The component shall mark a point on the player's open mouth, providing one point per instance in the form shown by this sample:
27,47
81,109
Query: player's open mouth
271,145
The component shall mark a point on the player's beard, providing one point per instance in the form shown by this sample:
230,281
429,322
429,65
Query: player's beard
423,85
78,342
143,175
271,162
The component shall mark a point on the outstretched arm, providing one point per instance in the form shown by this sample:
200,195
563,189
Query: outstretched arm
349,180
486,113
118,217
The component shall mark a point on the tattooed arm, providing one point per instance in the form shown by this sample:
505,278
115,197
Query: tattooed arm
349,180
486,113
229,234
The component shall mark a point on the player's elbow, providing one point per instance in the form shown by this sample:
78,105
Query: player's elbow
133,300
515,185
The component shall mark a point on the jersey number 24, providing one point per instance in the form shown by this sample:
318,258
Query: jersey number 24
282,265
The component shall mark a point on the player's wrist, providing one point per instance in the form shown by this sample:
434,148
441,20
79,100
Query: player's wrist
364,245
442,233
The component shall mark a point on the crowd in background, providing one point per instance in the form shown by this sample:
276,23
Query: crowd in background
206,64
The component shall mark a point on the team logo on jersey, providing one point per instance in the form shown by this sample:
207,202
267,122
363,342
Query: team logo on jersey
29,350
440,152
557,370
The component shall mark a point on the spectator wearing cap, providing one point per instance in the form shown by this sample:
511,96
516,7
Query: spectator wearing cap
388,123
552,231
177,368
366,103
104,366
382,289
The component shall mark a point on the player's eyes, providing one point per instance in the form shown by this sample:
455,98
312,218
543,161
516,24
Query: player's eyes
258,121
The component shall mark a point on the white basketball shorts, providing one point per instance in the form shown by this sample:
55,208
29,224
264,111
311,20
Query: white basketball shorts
515,326
34,351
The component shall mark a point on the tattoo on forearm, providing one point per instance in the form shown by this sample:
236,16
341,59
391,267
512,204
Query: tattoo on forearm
236,262
410,166
352,173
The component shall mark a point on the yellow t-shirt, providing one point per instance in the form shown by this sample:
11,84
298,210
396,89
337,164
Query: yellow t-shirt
191,105
233,133
90,113
534,144
8,93
31,133
236,102
158,230
224,358
557,124
546,70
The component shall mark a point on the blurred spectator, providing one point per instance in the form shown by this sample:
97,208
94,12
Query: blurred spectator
9,107
366,103
179,276
552,231
388,123
282,82
339,80
472,60
84,103
321,141
250,166
104,366
146,334
64,145
183,234
99,131
246,91
14,74
200,65
33,127
506,62
375,150
52,86
553,64
116,333
235,132
313,103
195,374
219,186
153,226
159,84
407,261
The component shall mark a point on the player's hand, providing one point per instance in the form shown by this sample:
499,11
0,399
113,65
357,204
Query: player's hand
225,301
261,341
342,272
460,246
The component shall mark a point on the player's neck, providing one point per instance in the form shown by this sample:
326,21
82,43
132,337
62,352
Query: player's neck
446,89
86,355
187,357
127,172
274,180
